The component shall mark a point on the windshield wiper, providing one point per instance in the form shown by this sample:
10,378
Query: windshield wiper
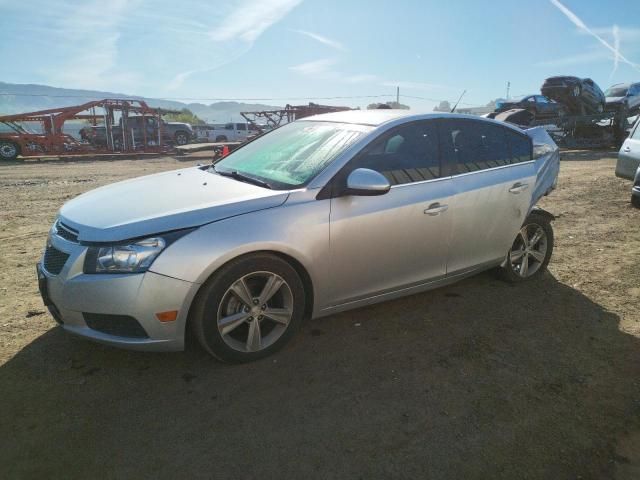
243,178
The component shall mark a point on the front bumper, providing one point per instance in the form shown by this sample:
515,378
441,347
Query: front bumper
85,304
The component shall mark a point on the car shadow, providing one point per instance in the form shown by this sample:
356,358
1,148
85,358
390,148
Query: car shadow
481,379
582,155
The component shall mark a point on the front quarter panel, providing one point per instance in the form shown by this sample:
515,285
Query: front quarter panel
299,229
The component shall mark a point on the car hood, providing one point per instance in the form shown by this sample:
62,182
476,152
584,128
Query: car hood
163,202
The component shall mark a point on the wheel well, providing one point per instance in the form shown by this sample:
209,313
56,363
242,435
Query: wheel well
297,266
543,212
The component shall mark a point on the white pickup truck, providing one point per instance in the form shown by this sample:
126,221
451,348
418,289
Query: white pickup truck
224,132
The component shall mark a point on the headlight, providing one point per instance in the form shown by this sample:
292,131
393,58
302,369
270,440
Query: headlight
134,257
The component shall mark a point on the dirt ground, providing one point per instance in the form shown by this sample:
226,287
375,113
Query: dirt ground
477,380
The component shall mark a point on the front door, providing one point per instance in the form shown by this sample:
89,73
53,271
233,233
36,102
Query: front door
400,239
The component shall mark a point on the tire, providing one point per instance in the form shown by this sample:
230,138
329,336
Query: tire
534,258
181,138
221,138
635,201
255,327
9,150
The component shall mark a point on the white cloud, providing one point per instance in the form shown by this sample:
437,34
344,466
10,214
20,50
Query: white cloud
361,78
615,31
315,67
250,19
246,22
592,56
90,35
414,85
322,39
618,56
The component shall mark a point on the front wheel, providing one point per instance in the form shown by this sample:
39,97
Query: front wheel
531,250
249,309
181,138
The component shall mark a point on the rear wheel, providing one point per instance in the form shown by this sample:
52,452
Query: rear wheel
181,138
635,201
531,250
249,309
9,150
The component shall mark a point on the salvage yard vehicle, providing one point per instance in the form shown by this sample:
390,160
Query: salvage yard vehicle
581,95
231,132
538,105
138,128
623,96
43,133
322,215
628,164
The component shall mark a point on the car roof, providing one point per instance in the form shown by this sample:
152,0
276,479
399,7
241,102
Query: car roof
625,85
377,118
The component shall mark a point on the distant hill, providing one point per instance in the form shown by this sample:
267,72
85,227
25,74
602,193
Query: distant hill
28,98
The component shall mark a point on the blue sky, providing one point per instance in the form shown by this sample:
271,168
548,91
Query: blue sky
294,50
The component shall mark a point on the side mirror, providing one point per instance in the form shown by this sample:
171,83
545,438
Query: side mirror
366,182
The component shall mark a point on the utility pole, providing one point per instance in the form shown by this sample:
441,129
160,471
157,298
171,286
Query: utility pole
397,96
508,88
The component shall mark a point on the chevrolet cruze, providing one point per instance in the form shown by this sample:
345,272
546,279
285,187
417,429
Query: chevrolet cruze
322,215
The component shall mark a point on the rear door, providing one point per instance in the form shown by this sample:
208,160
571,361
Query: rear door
400,239
493,175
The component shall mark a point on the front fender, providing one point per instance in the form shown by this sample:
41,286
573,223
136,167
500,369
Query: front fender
300,231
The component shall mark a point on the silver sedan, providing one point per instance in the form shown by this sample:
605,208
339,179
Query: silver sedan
628,164
322,215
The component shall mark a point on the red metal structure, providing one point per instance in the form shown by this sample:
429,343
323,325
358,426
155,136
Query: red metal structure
274,118
109,120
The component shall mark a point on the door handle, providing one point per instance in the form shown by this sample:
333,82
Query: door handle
626,149
518,187
435,209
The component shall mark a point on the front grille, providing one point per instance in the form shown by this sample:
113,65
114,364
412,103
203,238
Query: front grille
119,325
54,260
66,232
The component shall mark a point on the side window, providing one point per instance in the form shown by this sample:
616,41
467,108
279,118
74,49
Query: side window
228,126
635,90
531,99
541,99
407,154
475,145
520,145
635,135
242,127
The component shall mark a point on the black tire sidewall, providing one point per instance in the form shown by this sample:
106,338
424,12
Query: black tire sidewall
204,315
182,134
545,223
12,157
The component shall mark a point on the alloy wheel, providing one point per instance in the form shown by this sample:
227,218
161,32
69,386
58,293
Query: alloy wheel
529,250
255,311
